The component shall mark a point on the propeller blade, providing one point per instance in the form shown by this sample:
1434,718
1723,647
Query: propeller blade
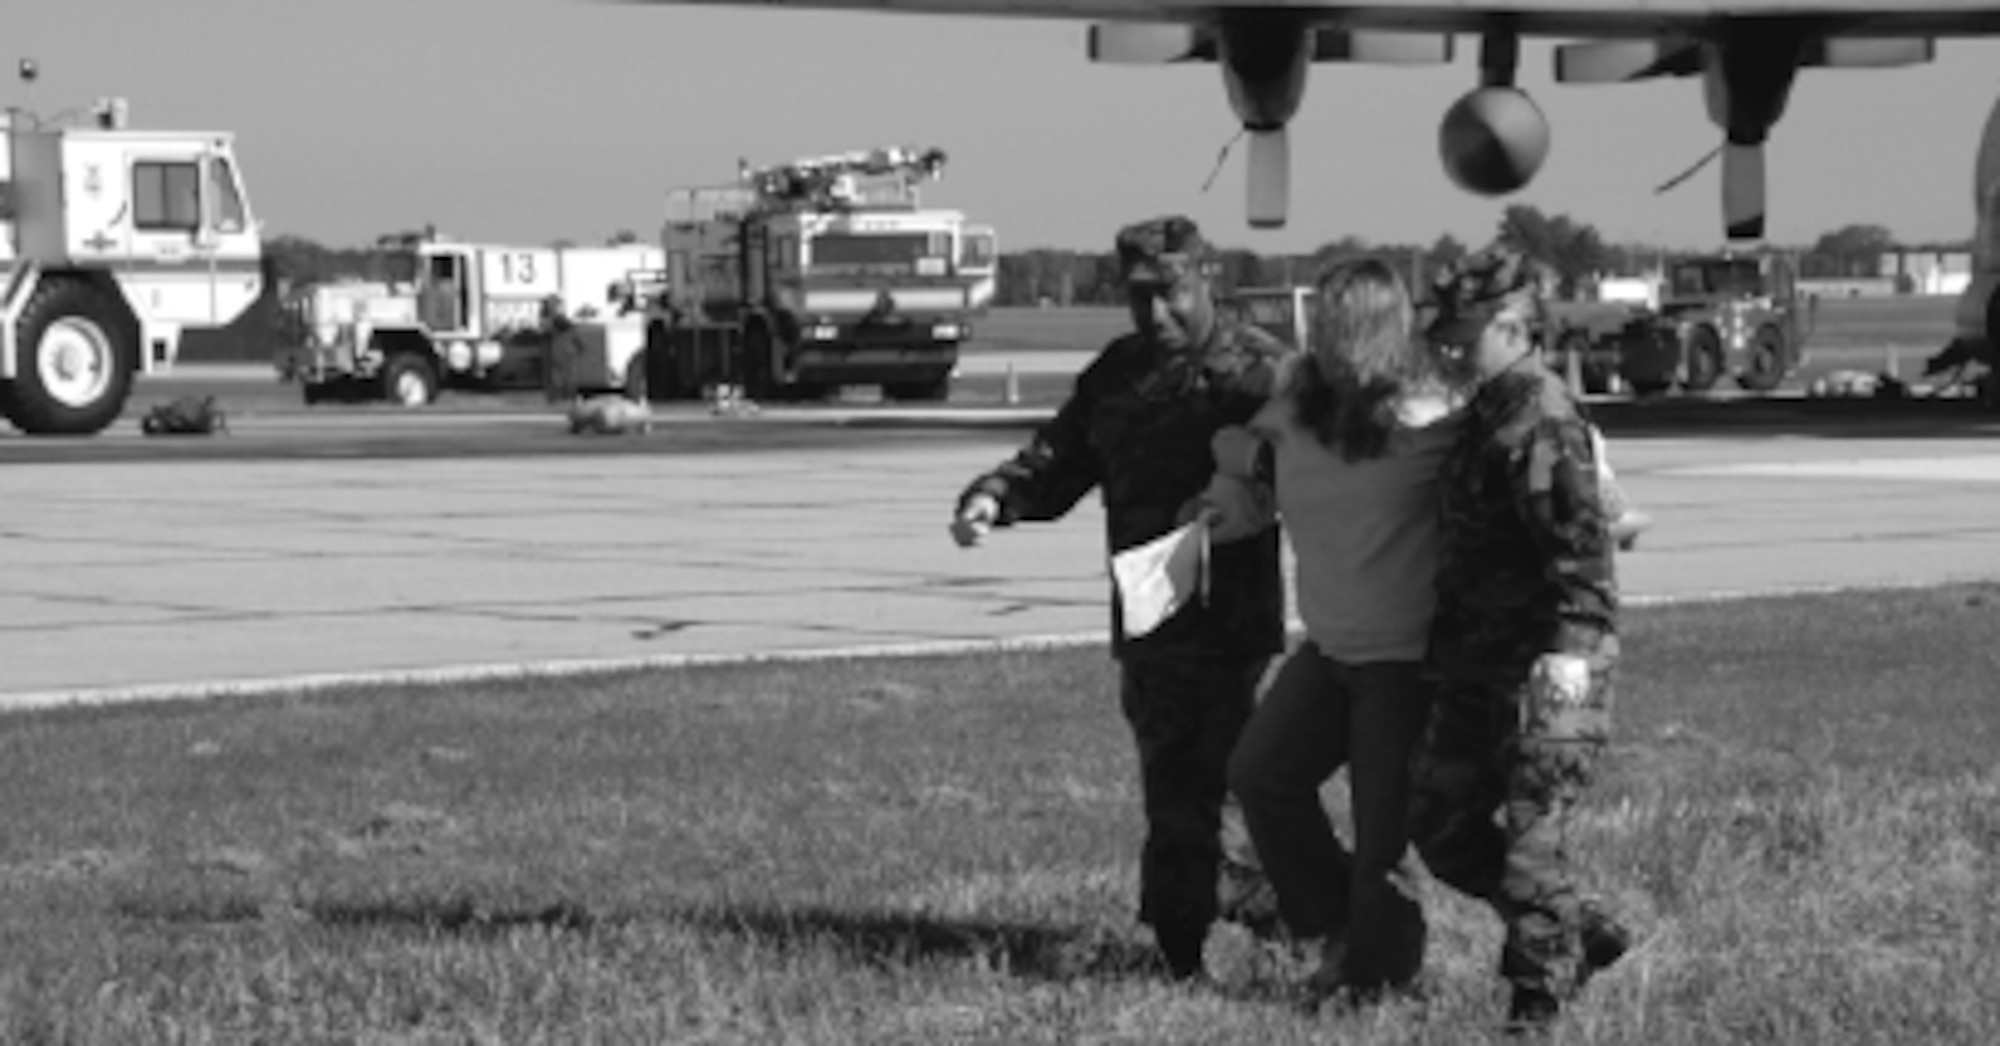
1618,61
1140,43
1269,178
1381,48
1743,191
1852,52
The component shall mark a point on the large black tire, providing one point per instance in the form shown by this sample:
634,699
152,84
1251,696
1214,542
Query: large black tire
1596,374
409,380
77,355
1704,360
664,382
1767,361
760,380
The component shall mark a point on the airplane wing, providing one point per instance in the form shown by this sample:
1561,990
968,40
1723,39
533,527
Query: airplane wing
1574,18
1747,54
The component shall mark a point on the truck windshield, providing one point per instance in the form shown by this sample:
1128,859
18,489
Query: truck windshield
1728,277
878,252
979,252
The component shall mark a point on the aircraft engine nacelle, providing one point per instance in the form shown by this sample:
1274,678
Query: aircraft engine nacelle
1747,66
1264,58
1265,54
1493,140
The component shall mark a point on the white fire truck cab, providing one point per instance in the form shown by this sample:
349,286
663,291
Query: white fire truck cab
810,275
116,242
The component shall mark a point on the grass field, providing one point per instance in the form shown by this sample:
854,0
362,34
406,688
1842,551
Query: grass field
1802,813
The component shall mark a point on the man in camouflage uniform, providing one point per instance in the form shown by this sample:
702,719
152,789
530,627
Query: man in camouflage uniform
1524,643
1137,427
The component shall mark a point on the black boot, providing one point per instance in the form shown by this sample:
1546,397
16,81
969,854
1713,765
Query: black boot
1182,947
1532,1011
1605,941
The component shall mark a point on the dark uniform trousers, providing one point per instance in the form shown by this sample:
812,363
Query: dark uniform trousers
1493,784
1186,712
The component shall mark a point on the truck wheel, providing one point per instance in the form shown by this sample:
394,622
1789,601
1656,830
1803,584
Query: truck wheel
1596,378
1704,360
1767,361
759,370
78,355
663,369
408,380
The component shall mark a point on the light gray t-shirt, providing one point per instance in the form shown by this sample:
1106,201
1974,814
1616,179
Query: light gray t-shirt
1364,532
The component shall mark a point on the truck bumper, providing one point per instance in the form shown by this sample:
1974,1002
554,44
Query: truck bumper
327,364
835,363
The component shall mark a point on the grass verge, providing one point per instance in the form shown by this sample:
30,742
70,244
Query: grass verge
1801,814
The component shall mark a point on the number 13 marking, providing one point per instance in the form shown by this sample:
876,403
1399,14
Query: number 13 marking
519,268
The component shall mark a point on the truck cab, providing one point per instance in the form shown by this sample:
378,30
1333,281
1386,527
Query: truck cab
116,242
1733,315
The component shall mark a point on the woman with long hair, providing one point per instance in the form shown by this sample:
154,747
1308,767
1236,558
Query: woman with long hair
1350,443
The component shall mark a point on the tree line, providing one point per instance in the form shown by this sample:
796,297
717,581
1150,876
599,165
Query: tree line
1048,276
1577,253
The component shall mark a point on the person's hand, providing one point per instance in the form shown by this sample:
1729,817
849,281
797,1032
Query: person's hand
1560,680
975,518
1198,508
1558,705
1234,508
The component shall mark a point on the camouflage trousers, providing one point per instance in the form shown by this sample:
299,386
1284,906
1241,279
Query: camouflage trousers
1186,714
1493,782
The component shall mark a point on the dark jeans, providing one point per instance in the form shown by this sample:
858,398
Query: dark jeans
1318,715
1186,713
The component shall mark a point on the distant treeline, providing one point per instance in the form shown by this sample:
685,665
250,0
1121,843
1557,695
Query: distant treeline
1052,276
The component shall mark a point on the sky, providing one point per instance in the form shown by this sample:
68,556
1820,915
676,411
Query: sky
526,121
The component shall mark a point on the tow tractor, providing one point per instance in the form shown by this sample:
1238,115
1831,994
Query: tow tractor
807,276
116,243
1735,315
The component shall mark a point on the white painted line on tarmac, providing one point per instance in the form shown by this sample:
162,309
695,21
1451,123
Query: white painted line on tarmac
458,674
1975,469
476,673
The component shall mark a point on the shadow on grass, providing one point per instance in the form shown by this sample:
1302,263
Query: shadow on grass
902,939
455,916
870,937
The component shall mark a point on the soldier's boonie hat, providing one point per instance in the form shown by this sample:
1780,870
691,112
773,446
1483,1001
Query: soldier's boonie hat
1467,294
1161,250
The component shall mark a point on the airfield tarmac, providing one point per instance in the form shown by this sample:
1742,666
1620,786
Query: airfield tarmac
313,549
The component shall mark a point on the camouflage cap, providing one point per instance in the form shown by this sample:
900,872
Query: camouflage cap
1161,250
1467,294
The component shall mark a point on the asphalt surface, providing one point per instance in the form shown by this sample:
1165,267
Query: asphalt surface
313,548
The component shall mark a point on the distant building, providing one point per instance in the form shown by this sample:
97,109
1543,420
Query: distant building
1928,271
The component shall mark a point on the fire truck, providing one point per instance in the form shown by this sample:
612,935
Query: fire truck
811,275
116,242
470,316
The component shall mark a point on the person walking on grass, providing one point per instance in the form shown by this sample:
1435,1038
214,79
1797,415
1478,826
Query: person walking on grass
1353,440
1137,428
1524,644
